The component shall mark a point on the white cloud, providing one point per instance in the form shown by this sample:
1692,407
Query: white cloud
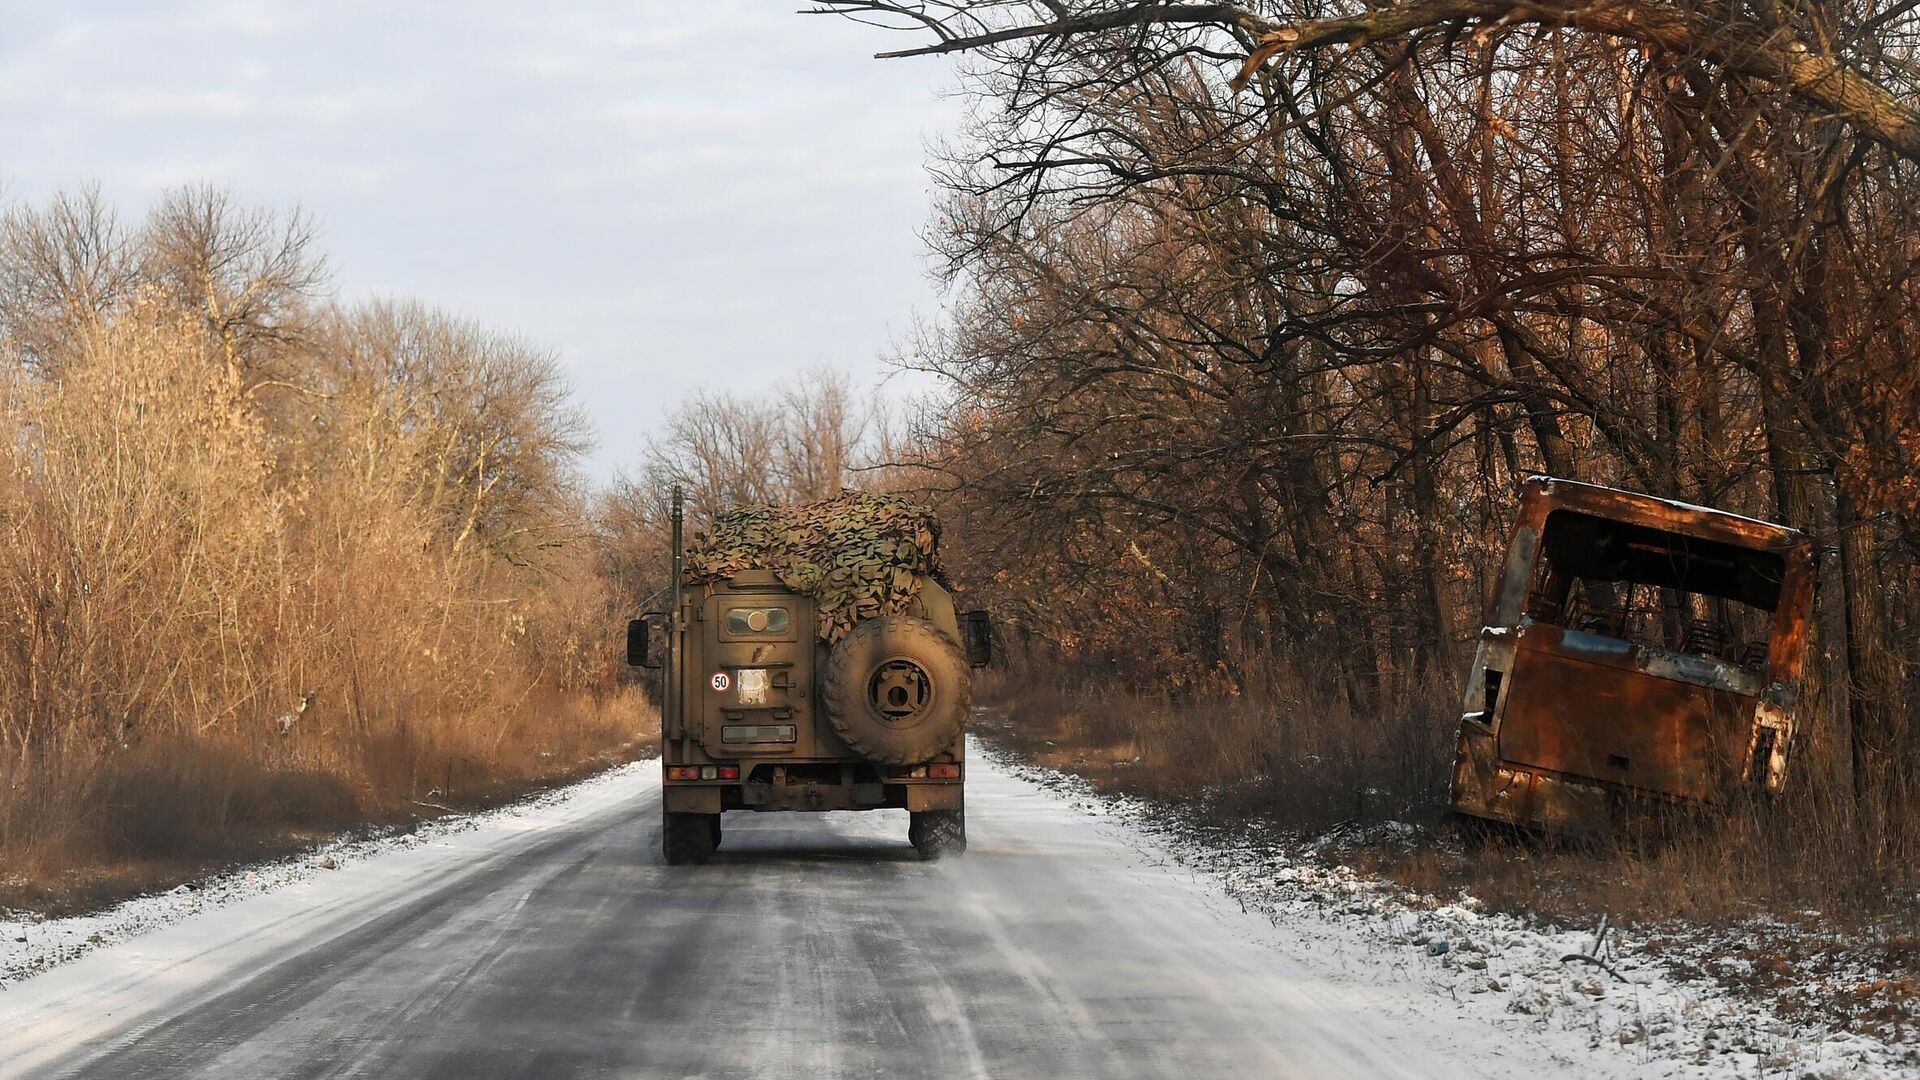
668,193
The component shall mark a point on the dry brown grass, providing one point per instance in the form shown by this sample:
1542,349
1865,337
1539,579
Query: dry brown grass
78,833
1275,749
1276,758
213,509
1708,894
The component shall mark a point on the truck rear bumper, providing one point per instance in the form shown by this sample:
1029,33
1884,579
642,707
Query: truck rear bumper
707,798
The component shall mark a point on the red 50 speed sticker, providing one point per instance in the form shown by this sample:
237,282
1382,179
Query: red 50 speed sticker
720,681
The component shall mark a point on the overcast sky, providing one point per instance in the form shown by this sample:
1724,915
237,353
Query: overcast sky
668,194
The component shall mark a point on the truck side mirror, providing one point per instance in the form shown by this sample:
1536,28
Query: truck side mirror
976,630
637,633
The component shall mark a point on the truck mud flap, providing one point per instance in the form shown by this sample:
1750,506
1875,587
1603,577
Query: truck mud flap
692,800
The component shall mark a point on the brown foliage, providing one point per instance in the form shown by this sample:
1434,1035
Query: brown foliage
1280,757
1279,749
274,569
1246,378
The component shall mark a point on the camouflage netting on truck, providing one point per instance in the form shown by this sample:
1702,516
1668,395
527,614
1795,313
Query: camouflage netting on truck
858,556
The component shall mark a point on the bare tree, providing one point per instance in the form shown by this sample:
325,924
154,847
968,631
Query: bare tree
221,498
1825,59
249,272
723,449
1299,294
824,425
500,436
64,267
807,438
804,440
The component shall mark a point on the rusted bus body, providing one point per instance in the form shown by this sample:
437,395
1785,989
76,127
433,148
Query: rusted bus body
1640,652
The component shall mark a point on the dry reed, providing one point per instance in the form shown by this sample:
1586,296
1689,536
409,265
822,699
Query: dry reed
257,593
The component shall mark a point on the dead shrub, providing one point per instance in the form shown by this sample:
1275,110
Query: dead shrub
267,578
1275,756
1268,743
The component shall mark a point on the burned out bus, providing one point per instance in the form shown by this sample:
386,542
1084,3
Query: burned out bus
1640,653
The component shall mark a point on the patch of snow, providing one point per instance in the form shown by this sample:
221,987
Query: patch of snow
1627,1002
30,944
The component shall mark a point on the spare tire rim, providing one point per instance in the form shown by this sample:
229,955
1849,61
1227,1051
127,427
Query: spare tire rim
900,691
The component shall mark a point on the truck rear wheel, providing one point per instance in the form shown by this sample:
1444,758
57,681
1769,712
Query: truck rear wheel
938,833
689,838
897,690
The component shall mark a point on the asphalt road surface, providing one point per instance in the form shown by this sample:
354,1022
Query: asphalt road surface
814,945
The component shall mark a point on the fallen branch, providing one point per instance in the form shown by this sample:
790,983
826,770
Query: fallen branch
1596,962
1592,956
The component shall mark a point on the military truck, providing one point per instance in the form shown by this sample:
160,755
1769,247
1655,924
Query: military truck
813,660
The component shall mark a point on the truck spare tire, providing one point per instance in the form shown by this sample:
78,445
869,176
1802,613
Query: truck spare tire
897,690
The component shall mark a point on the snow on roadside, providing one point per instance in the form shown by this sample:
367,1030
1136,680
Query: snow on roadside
1506,969
30,944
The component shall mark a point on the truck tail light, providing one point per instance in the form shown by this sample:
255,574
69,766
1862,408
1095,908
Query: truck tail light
703,772
944,770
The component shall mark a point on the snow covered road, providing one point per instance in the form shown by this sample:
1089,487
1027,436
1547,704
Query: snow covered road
553,942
